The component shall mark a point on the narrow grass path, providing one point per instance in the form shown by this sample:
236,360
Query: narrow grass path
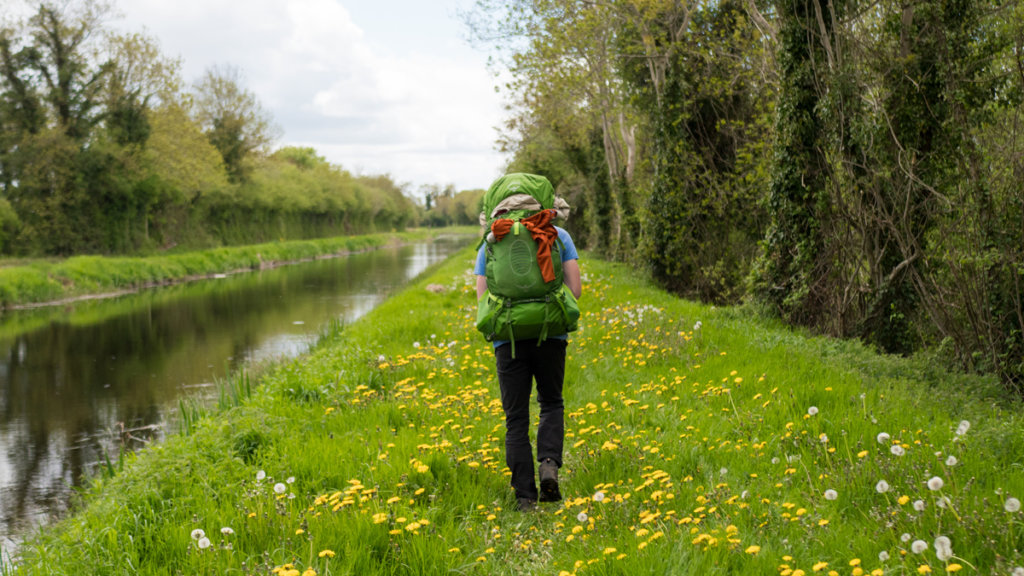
699,441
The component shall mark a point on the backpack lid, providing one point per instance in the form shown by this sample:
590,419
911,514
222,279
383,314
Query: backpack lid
519,183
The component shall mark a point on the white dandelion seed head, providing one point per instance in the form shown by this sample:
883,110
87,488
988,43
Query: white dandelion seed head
905,537
951,461
943,502
812,410
598,496
831,494
963,427
918,546
290,480
882,487
744,494
291,495
582,517
897,450
227,531
415,344
935,483
381,358
823,437
697,325
723,471
883,556
919,505
280,488
203,543
1012,505
775,460
883,437
260,475
943,548
198,533
1018,571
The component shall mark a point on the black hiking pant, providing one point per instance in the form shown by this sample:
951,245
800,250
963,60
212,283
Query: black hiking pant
546,365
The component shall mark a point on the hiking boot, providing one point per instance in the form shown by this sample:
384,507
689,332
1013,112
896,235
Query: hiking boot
526,504
549,481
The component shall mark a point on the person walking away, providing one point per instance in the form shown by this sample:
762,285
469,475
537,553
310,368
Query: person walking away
524,353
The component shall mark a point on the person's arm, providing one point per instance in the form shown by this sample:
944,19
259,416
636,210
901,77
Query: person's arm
481,286
570,276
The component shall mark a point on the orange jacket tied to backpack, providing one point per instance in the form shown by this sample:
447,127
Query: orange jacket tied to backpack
543,233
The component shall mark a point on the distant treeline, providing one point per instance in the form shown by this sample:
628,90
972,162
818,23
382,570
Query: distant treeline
103,149
855,168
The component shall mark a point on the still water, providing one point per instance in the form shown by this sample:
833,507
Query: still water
97,377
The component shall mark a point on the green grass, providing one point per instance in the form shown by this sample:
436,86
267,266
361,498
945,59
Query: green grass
689,450
46,280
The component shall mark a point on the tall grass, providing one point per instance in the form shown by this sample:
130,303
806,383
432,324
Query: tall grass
698,440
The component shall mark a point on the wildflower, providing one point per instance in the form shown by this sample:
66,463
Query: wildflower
919,505
326,553
918,546
203,543
598,496
963,428
1012,505
290,480
280,488
415,344
951,461
609,550
697,325
309,572
831,494
905,537
819,566
903,500
935,483
753,549
1018,571
198,533
582,516
883,438
883,556
812,410
227,531
943,548
897,450
924,569
953,567
882,487
260,475
823,437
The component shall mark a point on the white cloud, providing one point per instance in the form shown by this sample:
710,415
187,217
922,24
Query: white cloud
373,101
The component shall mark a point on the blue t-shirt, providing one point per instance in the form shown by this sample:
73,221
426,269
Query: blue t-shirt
568,253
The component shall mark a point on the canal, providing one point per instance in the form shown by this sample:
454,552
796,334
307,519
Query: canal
82,382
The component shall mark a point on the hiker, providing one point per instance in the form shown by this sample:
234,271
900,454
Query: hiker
529,333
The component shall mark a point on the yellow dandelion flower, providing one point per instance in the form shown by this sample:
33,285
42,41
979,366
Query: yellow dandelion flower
855,562
823,522
326,554
753,549
924,569
953,567
798,572
858,571
903,499
878,572
309,572
862,453
609,550
819,566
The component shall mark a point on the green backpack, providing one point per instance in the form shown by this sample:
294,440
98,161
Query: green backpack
523,300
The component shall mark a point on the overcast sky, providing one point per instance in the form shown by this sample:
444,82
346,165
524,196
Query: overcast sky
376,86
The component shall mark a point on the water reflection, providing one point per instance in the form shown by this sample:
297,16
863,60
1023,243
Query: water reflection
90,379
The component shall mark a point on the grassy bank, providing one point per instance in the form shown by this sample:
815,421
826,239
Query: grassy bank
699,441
41,281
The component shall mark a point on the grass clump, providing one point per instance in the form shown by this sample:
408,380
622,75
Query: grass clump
698,440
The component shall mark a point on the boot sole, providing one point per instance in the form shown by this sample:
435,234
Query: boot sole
549,491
